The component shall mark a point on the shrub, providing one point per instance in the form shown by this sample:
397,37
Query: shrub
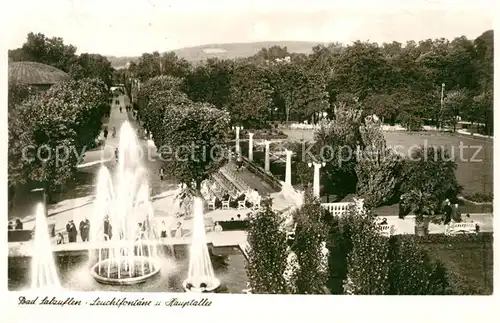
268,252
367,262
411,271
309,235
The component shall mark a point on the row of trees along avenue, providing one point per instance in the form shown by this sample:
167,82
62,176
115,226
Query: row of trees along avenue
64,120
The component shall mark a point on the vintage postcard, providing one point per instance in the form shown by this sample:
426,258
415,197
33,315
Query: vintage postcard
168,154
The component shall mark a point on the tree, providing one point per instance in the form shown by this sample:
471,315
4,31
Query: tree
336,144
367,263
378,168
147,66
303,94
267,255
173,65
250,98
155,85
49,131
482,108
384,106
310,234
210,82
429,175
272,53
363,68
158,103
50,51
454,105
92,66
17,94
195,136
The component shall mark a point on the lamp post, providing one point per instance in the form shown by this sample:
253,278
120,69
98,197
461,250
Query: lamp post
317,166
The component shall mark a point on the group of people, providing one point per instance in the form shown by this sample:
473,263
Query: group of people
72,231
452,213
177,233
17,225
106,132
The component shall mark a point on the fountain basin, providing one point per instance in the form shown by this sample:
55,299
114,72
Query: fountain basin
131,276
212,285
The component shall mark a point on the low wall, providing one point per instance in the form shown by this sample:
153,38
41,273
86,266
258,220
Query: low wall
337,209
257,170
215,239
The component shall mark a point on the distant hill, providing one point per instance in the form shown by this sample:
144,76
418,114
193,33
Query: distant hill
225,51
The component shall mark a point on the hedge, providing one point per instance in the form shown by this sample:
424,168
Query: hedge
430,265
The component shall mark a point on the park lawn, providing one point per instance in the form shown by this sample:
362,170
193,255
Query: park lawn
469,259
474,159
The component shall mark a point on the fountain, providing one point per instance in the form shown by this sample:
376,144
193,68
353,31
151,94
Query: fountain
201,277
123,242
43,268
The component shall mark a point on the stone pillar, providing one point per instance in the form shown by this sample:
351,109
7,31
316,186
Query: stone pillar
238,150
288,170
316,182
360,204
266,160
250,146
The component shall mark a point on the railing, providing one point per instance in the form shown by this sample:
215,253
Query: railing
337,209
257,170
226,184
238,182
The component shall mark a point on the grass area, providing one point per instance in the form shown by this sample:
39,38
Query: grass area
469,260
474,156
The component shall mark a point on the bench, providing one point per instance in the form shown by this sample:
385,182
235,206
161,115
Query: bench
463,227
385,230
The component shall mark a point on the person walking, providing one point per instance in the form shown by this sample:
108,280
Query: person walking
162,174
85,229
60,238
163,231
108,229
19,225
72,232
114,132
106,133
239,163
117,153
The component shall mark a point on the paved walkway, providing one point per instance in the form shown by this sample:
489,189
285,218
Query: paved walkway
24,205
78,208
255,181
217,239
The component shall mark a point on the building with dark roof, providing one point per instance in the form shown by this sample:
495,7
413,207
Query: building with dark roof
34,74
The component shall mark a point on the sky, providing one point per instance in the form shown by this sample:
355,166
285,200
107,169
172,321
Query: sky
132,27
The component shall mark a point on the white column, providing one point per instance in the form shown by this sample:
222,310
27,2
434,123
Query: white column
237,130
288,170
250,146
317,167
238,141
266,160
